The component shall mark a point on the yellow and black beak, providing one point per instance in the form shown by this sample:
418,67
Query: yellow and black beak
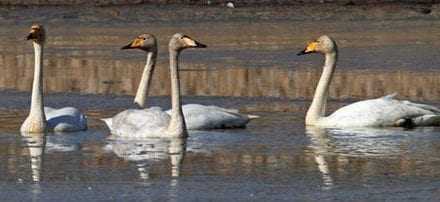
137,43
310,48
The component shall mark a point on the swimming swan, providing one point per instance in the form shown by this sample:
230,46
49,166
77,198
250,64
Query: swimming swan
41,118
153,121
197,117
380,112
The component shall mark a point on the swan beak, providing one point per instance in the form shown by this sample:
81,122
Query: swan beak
30,36
193,43
303,52
311,48
199,45
137,43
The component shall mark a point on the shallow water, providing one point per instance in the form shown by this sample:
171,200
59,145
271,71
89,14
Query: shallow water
275,158
250,65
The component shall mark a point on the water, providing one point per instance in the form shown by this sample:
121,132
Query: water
250,65
273,159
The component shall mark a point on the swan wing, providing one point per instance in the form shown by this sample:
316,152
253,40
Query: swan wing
202,117
67,119
140,122
384,111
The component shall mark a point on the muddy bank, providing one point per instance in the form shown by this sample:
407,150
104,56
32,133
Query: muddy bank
187,15
203,2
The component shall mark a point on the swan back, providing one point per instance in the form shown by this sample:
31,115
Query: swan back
200,117
67,119
140,123
384,111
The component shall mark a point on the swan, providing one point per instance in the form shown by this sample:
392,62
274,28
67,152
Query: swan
148,43
41,118
153,121
380,112
197,116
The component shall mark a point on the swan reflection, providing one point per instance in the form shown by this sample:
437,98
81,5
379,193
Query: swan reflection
35,143
38,144
364,142
146,151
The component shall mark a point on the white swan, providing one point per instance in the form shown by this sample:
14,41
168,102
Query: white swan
153,121
197,117
148,43
42,118
380,112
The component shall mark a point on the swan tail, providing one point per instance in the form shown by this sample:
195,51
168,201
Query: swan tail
430,108
390,96
108,122
251,117
427,120
83,122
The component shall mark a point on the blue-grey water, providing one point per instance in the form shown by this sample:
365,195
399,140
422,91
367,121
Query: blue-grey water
275,158
250,64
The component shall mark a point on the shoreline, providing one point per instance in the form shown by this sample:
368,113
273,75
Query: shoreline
241,3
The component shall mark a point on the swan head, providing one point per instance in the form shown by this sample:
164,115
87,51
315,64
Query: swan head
180,41
37,34
146,42
324,44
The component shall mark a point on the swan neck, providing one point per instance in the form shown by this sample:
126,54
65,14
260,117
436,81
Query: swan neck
177,124
144,85
37,105
318,107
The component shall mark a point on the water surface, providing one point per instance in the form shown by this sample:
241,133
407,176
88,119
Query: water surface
250,65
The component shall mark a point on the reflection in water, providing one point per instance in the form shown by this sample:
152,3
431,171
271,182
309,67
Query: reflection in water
319,149
352,143
121,76
145,151
361,141
35,142
39,143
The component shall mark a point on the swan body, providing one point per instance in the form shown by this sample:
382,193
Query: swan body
380,112
41,119
154,122
67,119
202,117
151,122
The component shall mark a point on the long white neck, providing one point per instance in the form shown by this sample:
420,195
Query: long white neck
144,85
37,105
318,107
177,126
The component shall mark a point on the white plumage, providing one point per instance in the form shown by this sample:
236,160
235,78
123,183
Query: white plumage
380,112
152,122
67,119
202,117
